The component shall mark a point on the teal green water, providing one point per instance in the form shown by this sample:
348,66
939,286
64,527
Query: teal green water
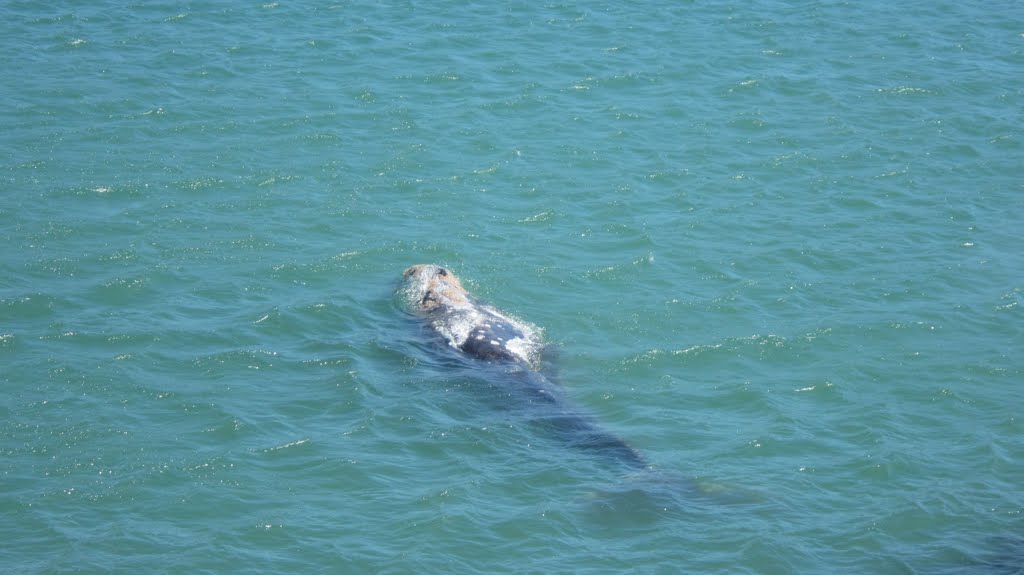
776,246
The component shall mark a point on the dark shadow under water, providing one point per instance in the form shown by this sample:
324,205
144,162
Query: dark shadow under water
531,398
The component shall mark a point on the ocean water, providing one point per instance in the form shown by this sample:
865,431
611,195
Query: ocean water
774,246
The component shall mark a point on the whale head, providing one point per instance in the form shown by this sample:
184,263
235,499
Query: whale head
428,287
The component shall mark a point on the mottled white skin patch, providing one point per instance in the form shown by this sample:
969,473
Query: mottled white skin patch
477,329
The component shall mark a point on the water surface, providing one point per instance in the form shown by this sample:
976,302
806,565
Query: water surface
774,246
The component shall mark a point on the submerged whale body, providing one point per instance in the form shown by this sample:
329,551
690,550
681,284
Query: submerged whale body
484,333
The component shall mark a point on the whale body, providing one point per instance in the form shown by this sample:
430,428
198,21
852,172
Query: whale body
484,333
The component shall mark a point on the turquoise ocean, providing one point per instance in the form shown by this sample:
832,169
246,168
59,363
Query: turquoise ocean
774,246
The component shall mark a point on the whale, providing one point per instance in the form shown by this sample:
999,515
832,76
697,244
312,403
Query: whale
482,333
